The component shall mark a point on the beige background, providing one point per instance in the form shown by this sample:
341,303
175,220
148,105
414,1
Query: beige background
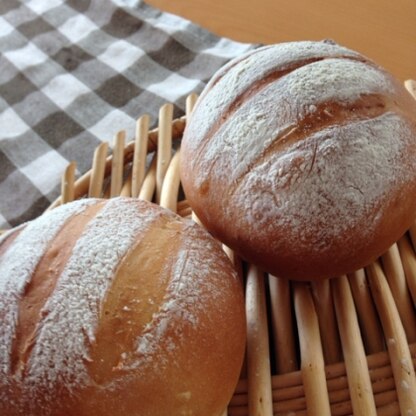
384,30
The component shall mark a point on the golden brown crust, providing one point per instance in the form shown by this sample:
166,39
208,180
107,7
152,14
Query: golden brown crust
169,336
41,286
125,309
313,175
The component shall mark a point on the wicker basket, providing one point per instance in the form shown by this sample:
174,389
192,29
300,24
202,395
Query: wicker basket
341,346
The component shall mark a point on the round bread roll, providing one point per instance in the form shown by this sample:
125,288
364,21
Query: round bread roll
302,158
117,308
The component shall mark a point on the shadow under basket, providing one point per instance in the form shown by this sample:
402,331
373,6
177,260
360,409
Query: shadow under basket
341,346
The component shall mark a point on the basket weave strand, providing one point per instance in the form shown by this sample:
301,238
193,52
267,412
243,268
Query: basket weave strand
359,383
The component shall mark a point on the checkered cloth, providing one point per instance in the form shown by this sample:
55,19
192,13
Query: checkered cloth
73,73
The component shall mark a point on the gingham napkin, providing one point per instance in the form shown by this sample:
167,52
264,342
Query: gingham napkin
73,73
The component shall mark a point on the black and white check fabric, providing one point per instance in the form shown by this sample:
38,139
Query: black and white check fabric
73,73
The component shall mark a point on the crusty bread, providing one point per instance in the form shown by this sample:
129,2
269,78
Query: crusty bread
117,308
302,158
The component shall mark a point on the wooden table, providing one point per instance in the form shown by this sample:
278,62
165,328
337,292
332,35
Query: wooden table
384,30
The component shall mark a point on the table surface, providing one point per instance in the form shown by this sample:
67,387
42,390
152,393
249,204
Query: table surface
383,30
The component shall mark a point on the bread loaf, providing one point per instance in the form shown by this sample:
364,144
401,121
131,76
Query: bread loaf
302,157
117,308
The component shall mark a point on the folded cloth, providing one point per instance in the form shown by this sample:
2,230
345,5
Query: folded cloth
73,73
